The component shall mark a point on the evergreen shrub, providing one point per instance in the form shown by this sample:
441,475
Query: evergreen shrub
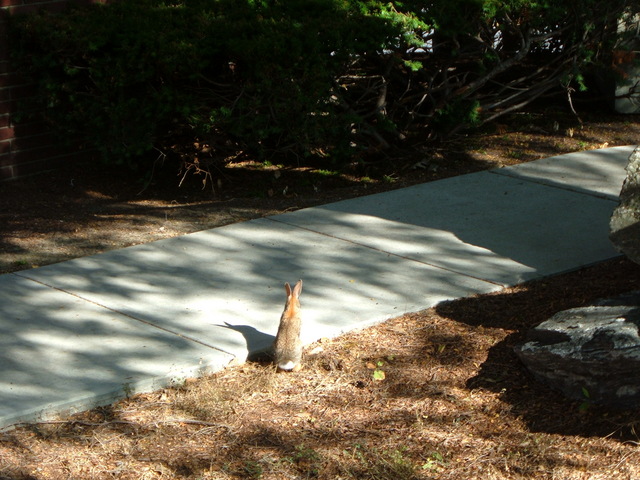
326,79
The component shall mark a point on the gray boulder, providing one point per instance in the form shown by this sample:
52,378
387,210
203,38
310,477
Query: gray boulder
625,221
590,353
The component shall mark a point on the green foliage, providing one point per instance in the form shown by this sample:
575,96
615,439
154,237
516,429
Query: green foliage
107,75
458,112
302,78
124,76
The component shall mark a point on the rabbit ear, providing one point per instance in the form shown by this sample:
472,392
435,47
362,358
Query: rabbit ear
287,288
297,290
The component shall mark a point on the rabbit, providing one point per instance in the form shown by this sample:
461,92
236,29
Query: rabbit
287,345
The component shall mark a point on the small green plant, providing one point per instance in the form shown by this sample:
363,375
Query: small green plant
378,373
458,113
306,459
389,179
586,403
384,465
252,469
305,453
434,462
398,463
327,173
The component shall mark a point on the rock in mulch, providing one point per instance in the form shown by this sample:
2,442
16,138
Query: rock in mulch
590,353
624,224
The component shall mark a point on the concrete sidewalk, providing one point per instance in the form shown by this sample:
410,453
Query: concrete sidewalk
86,332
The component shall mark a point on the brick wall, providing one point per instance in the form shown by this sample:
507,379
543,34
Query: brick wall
25,147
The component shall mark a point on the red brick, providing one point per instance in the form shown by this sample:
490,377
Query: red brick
6,133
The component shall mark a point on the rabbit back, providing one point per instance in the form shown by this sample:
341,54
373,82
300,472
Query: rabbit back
288,345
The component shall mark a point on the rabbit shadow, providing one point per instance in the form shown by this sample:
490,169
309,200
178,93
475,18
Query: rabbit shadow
259,344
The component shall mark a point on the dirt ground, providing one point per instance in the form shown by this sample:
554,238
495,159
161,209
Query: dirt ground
437,394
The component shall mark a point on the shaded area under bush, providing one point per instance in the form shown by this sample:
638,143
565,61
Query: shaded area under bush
299,80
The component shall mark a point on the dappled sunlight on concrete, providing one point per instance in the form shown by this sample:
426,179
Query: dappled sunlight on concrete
58,351
494,227
193,284
87,331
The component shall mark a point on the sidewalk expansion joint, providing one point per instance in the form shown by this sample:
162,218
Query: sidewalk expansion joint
551,184
391,254
124,314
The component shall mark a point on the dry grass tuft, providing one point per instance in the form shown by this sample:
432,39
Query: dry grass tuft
434,394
